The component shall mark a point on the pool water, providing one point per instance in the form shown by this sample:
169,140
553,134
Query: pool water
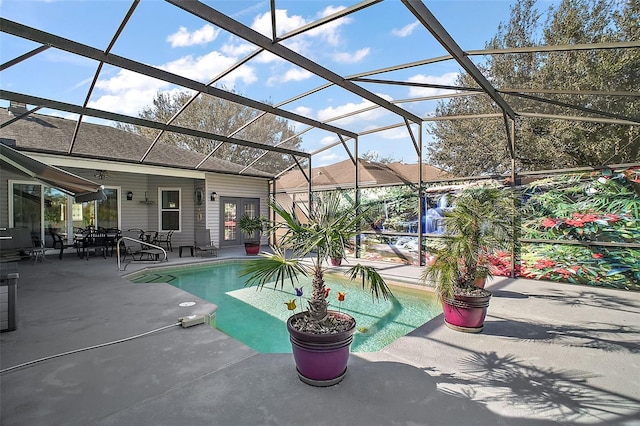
258,317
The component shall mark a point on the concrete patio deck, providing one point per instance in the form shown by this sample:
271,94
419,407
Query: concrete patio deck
549,354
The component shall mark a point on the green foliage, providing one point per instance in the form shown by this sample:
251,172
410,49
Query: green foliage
479,223
252,225
598,266
600,207
273,268
475,146
391,206
317,236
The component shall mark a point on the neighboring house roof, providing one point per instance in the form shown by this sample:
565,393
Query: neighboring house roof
53,135
371,173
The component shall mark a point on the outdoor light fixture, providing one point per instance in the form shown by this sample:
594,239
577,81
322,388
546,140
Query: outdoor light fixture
129,196
213,196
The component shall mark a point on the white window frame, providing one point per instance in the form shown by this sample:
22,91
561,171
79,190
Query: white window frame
160,209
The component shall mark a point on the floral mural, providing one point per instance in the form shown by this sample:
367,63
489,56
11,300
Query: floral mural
581,228
592,223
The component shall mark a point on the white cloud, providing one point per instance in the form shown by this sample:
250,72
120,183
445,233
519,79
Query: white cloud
351,58
328,140
398,133
447,79
128,103
284,23
330,32
128,92
303,110
332,112
183,37
126,80
325,159
293,74
405,31
237,49
203,68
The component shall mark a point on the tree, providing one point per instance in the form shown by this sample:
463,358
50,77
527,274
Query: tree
222,117
479,146
375,157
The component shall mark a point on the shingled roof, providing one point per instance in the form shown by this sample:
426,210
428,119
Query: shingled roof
53,135
371,173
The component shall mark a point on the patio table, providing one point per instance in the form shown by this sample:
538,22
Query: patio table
190,247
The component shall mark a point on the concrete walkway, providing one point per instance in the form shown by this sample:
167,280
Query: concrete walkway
549,354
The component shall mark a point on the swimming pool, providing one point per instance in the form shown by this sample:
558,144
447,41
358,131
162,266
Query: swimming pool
258,317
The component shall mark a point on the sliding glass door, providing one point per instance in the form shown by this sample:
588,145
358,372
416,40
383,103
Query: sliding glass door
43,209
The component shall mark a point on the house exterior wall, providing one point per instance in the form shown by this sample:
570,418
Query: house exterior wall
232,186
143,211
133,214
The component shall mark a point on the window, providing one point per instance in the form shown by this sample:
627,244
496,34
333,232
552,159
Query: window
103,213
43,209
169,209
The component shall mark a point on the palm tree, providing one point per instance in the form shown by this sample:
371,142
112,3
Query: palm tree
325,232
479,223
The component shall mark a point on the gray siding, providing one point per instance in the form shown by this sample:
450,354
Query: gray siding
141,213
232,186
4,195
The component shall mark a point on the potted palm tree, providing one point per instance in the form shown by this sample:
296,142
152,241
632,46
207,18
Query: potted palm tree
252,227
320,337
479,223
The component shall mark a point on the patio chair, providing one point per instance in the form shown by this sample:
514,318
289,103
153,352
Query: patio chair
203,243
38,251
95,242
138,231
130,247
164,238
113,235
58,242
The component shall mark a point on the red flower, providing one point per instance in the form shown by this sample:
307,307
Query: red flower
549,223
565,274
543,263
589,217
610,217
597,255
341,296
326,292
581,219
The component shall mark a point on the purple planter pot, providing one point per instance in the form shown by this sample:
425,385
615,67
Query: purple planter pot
321,359
465,313
336,261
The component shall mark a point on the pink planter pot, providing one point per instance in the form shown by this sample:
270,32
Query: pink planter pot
465,313
336,261
321,359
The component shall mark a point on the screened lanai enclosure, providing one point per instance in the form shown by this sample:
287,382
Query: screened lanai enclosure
546,105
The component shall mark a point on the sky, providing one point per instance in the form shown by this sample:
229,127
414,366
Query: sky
164,36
